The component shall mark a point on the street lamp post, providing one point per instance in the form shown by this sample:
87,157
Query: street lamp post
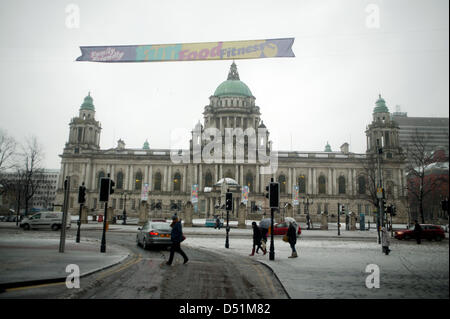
306,203
124,213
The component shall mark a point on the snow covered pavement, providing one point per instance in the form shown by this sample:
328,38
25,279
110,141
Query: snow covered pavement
336,268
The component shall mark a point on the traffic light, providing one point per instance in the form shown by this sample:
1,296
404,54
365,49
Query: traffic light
104,189
383,205
229,201
111,185
81,194
394,210
274,194
342,209
444,204
389,209
267,192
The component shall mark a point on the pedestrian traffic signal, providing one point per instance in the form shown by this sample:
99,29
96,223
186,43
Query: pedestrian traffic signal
229,201
81,194
111,187
274,194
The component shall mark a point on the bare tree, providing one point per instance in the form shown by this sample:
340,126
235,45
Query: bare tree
419,186
7,151
31,169
370,166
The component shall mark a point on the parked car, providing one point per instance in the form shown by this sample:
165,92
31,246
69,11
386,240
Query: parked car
43,220
429,232
2,218
282,228
154,234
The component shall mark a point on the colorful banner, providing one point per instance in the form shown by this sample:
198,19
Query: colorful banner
295,196
245,191
194,197
144,193
229,50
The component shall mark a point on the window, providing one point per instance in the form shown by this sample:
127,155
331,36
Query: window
101,175
208,179
322,185
157,181
249,181
361,185
282,181
301,185
119,183
138,181
319,208
341,185
177,182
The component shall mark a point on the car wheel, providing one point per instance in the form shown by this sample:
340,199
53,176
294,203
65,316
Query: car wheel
55,227
144,244
26,227
438,238
406,237
137,241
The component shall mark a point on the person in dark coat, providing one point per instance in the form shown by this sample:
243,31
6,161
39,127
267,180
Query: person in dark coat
417,231
292,239
257,237
176,236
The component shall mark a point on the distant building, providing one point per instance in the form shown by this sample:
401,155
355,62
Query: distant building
434,130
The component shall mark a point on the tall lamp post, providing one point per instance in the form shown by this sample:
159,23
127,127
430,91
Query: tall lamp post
306,202
124,213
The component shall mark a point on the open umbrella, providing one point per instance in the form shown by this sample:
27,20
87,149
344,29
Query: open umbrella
265,223
291,220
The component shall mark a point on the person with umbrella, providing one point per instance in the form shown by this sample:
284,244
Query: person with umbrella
264,224
257,236
292,237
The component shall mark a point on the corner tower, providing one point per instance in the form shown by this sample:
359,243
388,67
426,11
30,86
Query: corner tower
383,132
84,132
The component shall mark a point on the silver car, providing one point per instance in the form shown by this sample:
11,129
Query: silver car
153,234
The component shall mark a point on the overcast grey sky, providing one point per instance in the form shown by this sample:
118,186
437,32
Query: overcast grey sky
326,93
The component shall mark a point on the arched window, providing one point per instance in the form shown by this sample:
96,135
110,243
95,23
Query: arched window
119,182
249,181
341,182
101,174
361,185
208,179
322,185
177,182
282,181
138,181
157,181
302,185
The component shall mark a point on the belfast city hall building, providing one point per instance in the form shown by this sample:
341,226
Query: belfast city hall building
163,181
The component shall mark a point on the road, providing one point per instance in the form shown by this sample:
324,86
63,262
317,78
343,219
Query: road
144,275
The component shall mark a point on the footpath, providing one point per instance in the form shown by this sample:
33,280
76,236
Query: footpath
33,260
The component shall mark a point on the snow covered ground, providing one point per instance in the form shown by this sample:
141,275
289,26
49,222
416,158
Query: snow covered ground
336,268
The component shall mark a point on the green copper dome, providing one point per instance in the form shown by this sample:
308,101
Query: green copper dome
328,148
233,86
146,146
88,103
380,106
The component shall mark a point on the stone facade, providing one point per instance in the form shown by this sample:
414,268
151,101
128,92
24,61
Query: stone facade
327,178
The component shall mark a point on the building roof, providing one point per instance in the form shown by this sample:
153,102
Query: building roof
88,103
233,86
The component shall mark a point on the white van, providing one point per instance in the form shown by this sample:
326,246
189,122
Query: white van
43,220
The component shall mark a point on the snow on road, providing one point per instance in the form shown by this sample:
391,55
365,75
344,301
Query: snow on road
336,268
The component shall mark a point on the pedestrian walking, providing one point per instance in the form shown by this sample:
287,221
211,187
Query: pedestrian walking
417,232
292,238
385,241
257,237
217,223
177,237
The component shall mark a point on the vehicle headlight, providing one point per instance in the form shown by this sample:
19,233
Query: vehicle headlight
399,233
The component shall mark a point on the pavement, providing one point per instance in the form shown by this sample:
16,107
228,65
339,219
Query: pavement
35,260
